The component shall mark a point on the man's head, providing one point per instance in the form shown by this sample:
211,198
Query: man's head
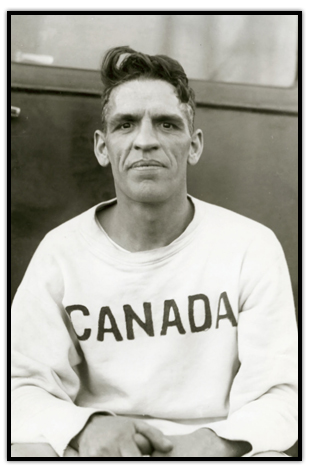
148,136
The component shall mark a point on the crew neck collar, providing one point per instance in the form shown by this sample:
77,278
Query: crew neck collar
104,246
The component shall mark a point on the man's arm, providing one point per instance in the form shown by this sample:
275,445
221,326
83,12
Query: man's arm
44,381
45,356
263,397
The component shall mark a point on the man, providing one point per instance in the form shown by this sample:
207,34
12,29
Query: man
154,324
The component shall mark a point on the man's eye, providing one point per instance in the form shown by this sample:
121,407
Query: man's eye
126,125
167,125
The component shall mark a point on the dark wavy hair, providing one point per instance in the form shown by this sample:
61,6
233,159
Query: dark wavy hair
116,70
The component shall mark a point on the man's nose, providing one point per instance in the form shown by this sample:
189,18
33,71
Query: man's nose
146,138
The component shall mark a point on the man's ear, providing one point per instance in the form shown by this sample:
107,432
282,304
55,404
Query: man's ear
100,148
195,148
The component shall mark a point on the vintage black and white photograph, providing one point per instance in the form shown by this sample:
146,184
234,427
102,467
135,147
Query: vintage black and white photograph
154,238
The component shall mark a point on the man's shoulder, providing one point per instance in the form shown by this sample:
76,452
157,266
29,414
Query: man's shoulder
68,231
232,224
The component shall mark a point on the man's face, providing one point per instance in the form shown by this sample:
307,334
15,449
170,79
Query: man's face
147,141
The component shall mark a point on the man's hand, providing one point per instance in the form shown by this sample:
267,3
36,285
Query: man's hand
108,436
204,443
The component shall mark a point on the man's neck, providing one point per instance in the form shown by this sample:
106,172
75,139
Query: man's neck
139,226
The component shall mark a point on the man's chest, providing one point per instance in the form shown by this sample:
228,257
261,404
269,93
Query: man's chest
189,297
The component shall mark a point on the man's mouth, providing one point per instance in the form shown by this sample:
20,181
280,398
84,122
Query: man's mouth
147,164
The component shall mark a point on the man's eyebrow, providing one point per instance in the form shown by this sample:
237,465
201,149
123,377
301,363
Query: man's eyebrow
120,117
168,117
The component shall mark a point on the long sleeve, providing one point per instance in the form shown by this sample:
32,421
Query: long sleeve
263,398
45,356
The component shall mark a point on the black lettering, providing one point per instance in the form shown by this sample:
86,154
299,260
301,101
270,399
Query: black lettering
130,316
229,312
106,311
84,311
208,318
171,304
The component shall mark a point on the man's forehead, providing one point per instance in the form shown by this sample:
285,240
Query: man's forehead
140,96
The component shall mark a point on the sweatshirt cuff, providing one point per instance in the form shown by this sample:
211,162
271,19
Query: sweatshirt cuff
259,432
64,422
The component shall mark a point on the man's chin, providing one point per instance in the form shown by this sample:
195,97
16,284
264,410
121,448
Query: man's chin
150,199
151,195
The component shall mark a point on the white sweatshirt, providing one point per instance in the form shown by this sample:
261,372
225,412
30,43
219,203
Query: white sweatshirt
200,333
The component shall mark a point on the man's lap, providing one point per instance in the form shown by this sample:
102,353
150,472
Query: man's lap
41,450
38,450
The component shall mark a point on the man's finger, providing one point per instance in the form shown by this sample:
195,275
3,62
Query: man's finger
155,436
70,452
128,448
159,454
143,444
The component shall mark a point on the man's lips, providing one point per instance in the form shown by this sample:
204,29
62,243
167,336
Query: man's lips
146,164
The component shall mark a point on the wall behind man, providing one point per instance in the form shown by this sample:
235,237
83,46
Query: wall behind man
249,165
